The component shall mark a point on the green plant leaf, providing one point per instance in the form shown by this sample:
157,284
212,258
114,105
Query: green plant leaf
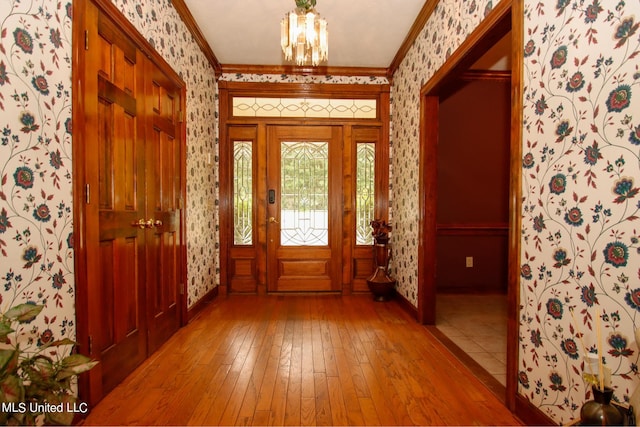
8,360
58,343
75,360
60,418
74,365
5,330
11,389
45,368
24,313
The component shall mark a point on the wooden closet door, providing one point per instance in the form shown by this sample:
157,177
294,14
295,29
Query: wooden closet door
163,177
129,154
117,293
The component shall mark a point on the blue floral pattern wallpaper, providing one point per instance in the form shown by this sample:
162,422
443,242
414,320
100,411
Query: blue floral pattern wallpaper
36,222
580,260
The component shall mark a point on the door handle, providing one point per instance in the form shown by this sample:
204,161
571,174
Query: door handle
141,223
272,220
157,223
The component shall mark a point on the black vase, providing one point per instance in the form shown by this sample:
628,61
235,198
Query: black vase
600,411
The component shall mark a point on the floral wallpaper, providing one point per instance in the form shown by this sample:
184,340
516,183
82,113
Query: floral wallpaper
580,239
580,260
36,221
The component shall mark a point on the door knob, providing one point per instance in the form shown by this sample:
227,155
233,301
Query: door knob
157,223
141,223
272,220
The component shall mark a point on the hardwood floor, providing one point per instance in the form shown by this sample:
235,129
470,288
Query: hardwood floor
301,360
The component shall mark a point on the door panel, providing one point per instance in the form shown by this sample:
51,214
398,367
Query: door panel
304,170
163,192
119,336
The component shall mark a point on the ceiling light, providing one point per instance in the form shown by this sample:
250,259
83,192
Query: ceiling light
304,36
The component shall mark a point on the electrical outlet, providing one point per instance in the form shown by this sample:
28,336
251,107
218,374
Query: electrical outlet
469,261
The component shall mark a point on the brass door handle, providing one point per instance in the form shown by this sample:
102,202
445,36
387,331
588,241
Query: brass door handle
272,220
157,223
142,224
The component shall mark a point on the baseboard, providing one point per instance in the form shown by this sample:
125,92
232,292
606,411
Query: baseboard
406,305
530,414
197,308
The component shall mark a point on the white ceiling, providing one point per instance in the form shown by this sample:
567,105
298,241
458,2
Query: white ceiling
362,33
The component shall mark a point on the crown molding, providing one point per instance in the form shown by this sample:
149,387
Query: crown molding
412,35
191,24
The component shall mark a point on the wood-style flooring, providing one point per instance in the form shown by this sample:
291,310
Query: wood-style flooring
301,360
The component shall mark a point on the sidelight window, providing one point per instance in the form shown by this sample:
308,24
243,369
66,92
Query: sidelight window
242,193
365,191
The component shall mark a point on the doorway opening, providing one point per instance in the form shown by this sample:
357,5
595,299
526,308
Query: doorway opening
473,212
495,27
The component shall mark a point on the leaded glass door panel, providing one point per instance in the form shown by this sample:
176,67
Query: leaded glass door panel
304,208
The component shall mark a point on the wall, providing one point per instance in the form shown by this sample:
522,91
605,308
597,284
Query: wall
36,224
473,223
581,132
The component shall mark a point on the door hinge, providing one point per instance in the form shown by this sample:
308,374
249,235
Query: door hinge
87,193
86,40
90,344
180,116
181,288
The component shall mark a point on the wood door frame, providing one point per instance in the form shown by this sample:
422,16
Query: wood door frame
82,88
227,90
508,14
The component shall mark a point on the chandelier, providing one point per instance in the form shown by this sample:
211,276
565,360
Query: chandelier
304,35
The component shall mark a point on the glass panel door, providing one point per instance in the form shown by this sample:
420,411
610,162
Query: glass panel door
303,208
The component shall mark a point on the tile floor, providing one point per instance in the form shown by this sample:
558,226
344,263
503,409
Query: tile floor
477,324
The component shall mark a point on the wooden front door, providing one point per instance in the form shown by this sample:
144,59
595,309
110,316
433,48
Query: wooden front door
304,208
131,217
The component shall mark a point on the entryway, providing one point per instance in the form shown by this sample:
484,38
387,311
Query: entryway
304,170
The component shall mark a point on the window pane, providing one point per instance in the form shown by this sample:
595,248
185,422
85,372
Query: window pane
304,107
365,191
304,181
242,193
